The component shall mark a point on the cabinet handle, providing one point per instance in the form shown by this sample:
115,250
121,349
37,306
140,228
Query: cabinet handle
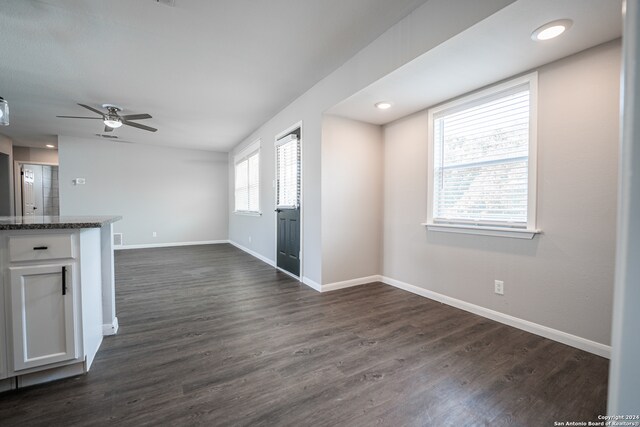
40,248
64,280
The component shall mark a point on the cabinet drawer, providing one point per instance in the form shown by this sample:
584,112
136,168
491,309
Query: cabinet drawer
40,247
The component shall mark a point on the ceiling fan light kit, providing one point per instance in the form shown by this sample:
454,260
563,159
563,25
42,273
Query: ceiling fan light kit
113,120
4,112
113,123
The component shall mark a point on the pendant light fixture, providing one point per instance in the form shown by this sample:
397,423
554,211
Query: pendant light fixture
4,112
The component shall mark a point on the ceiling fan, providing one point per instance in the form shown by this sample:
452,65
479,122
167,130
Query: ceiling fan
113,120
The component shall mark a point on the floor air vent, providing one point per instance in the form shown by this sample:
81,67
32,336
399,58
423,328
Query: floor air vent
117,239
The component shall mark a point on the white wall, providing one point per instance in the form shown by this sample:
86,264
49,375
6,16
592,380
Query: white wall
425,28
180,194
351,199
563,278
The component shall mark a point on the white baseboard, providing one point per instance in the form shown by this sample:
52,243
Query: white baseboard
110,329
525,325
166,245
534,328
349,283
313,285
253,253
51,374
272,263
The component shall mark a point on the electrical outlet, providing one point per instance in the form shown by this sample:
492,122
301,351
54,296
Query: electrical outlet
155,234
499,287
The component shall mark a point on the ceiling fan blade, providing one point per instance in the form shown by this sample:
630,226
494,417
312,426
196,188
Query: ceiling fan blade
139,126
76,117
136,116
108,129
92,109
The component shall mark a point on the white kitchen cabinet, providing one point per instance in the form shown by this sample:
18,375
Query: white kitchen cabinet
43,315
56,296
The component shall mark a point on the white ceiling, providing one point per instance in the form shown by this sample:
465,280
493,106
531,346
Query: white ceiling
209,72
494,49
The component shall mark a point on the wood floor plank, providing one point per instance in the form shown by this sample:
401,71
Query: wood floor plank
212,336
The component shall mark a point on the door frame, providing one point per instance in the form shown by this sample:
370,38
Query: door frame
17,182
278,136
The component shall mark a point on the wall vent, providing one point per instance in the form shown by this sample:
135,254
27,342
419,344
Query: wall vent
117,239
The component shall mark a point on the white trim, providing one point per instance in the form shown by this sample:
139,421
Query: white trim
248,213
525,325
485,231
286,138
111,329
280,135
247,151
165,245
252,253
251,150
532,179
52,374
350,283
313,285
288,273
290,129
534,328
479,96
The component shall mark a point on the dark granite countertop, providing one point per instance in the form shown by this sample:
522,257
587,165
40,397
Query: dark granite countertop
54,222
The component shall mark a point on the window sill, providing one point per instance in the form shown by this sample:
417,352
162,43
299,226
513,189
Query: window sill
247,213
483,231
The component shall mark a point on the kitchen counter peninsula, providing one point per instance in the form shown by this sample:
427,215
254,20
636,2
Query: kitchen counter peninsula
33,222
57,291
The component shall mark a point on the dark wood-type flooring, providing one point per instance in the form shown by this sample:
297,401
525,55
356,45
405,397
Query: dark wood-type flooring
209,335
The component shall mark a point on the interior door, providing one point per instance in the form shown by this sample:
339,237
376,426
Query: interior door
28,193
288,202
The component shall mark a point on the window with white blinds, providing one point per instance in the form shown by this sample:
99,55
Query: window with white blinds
247,180
287,171
482,168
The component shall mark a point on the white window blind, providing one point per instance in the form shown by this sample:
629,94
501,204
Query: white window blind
288,163
247,180
481,162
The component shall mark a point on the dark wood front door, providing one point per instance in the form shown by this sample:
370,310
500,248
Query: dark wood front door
288,202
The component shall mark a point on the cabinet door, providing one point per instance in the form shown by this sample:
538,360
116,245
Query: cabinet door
3,338
42,315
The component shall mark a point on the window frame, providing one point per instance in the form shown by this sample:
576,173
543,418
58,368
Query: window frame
468,101
244,155
280,142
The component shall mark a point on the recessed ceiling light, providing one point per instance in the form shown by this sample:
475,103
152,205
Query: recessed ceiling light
383,105
551,30
50,146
